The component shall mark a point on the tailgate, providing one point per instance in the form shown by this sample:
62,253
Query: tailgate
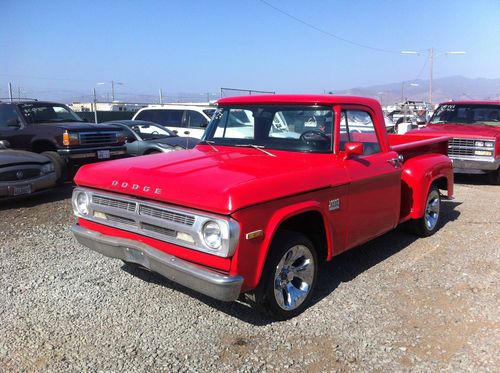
410,146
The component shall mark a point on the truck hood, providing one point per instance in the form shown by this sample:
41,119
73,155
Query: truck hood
464,130
220,182
80,126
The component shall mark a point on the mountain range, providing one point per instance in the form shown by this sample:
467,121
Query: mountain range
443,89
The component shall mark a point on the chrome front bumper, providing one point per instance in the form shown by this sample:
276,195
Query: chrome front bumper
198,278
475,165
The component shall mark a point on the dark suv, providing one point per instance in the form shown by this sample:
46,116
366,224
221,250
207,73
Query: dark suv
56,131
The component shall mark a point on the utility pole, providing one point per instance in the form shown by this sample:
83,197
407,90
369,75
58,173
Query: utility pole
161,96
10,92
95,107
431,61
112,90
18,93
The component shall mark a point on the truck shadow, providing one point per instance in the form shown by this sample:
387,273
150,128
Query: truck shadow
472,179
343,268
55,194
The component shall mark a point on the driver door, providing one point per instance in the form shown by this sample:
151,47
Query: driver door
374,178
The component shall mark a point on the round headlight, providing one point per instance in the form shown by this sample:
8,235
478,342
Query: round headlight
82,203
212,234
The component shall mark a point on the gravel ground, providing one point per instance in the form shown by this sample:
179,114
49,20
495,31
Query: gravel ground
395,304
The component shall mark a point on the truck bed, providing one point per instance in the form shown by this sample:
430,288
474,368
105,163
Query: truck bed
410,146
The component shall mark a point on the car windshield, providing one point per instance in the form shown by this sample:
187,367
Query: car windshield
467,114
151,131
48,113
280,127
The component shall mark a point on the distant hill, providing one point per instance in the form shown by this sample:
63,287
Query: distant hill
444,89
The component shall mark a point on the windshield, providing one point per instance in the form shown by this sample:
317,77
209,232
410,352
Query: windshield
467,114
151,131
48,113
281,127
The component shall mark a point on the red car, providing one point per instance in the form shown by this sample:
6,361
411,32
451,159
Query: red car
474,127
277,185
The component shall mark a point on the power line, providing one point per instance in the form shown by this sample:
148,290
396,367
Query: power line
327,32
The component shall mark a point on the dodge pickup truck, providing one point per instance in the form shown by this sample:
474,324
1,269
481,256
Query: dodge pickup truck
474,128
54,130
250,213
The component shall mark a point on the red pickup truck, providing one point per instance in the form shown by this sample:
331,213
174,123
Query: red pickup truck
277,185
474,128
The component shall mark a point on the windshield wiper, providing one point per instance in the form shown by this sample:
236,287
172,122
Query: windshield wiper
258,147
209,143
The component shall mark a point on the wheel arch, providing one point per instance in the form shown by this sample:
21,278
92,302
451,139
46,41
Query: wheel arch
301,218
42,145
419,175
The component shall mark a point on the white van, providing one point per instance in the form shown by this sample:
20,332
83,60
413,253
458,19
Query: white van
184,120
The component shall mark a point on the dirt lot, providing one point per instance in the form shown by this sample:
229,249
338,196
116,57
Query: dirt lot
395,304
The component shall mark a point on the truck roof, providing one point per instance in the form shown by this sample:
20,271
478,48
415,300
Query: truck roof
471,102
298,99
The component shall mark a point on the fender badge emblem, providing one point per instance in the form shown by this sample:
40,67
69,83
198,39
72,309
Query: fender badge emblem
334,204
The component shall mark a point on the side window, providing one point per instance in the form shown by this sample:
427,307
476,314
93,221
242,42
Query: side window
357,126
174,118
147,115
9,119
195,119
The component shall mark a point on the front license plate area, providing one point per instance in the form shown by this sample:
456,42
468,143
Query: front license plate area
20,190
136,256
103,154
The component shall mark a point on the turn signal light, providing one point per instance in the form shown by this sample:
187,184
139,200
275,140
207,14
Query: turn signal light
70,139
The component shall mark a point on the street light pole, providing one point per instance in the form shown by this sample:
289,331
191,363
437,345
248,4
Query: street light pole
431,65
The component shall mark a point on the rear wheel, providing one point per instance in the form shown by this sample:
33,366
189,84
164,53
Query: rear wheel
60,166
428,224
289,276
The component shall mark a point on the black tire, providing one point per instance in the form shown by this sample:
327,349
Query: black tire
494,177
280,276
428,224
60,166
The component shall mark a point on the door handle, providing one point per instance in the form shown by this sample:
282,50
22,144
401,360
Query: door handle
396,162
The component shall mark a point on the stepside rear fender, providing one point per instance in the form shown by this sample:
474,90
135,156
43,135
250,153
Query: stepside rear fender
419,173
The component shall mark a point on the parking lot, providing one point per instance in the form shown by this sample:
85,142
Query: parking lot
395,304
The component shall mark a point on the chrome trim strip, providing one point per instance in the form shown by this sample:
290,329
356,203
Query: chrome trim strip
203,280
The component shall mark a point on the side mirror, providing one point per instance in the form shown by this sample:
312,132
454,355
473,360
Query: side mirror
353,148
4,144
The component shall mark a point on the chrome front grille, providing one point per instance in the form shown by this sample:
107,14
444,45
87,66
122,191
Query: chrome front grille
466,148
166,215
97,138
112,202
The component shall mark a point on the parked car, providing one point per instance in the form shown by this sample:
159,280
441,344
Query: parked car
24,173
475,130
148,137
183,120
56,131
255,216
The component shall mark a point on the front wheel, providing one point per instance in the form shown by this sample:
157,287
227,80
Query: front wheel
289,275
428,224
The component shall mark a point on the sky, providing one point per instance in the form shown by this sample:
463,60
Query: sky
61,49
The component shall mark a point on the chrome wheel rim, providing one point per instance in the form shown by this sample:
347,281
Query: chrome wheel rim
432,210
293,277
